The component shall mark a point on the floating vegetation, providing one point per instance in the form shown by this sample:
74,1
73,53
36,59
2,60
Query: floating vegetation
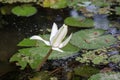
85,71
56,4
37,51
117,9
97,57
115,59
106,76
43,75
15,1
24,10
92,39
79,22
6,9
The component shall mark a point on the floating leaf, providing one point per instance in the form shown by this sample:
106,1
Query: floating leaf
6,9
56,4
85,71
98,56
59,4
92,39
27,42
117,9
101,3
114,58
24,10
41,76
77,22
106,76
34,55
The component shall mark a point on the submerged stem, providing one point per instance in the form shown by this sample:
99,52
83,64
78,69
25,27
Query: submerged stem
44,60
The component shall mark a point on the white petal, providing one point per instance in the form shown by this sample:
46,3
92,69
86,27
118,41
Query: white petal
57,49
54,31
64,43
58,38
41,39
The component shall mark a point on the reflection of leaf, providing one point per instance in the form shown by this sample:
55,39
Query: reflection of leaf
78,22
92,39
35,54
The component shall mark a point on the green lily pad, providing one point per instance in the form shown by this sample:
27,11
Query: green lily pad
55,4
117,9
59,4
106,76
27,43
92,39
77,22
43,75
24,10
34,55
85,71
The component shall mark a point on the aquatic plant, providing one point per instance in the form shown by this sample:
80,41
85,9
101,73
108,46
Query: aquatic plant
92,39
56,4
35,52
6,10
106,76
15,1
56,38
117,9
24,10
79,22
85,71
114,59
96,57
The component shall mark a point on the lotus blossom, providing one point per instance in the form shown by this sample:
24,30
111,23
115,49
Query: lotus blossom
56,37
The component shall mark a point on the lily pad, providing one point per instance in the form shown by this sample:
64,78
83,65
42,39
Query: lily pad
85,71
92,39
55,4
106,76
34,55
77,22
24,10
41,76
117,9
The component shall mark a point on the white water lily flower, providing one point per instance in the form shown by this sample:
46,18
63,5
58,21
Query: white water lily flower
56,37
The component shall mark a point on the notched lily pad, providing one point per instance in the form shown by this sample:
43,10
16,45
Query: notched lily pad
92,39
78,22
